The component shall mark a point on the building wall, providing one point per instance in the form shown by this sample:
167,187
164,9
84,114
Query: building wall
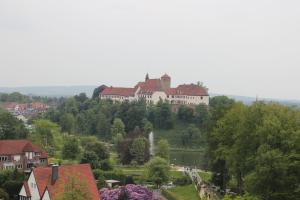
22,192
46,196
35,195
156,96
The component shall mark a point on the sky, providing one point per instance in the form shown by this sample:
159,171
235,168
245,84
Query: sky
248,48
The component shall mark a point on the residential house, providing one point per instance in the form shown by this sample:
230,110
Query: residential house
21,154
53,182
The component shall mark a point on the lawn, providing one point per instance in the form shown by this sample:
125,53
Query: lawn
185,192
206,176
176,174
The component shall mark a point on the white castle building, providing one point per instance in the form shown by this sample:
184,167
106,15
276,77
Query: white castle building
153,90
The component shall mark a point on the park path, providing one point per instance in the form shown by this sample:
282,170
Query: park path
205,192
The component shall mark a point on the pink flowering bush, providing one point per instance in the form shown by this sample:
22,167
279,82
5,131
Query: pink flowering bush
128,192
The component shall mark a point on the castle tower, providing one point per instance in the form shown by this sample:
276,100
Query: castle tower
165,82
147,77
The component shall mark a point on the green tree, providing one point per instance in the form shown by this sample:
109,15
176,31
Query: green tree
118,127
219,106
92,158
139,149
99,148
103,126
202,116
163,115
158,171
162,149
185,114
11,127
48,135
148,127
256,146
191,136
71,148
67,123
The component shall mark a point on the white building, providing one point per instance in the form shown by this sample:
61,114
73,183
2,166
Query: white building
152,90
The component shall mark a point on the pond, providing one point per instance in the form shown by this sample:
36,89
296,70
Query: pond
187,158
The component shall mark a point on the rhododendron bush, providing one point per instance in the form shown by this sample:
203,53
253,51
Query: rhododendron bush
128,192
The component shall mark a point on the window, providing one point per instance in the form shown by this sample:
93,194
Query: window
3,158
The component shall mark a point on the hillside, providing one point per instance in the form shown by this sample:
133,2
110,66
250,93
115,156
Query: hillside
66,91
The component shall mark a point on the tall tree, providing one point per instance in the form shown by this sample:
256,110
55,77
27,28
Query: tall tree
11,127
158,171
118,127
140,149
71,148
162,149
67,123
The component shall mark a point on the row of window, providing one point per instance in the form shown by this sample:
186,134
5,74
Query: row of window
24,198
3,158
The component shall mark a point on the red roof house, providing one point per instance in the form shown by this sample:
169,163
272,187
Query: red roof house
55,181
21,154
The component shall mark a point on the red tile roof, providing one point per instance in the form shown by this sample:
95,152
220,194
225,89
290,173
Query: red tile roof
189,90
12,147
126,92
80,172
150,86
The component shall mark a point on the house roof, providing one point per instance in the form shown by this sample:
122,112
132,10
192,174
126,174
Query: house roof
126,92
13,147
190,90
80,172
149,86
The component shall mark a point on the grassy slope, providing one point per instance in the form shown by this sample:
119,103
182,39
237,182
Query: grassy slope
173,135
185,192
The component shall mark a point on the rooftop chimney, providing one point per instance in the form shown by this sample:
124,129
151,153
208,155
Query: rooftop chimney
54,174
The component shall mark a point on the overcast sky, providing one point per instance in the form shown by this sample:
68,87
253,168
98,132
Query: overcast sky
234,46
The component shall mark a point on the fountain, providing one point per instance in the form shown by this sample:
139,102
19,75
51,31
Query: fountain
151,142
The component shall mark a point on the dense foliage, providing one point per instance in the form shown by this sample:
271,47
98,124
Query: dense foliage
11,127
11,182
256,149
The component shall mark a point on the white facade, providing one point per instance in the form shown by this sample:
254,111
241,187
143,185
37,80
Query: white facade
160,95
154,90
35,195
46,195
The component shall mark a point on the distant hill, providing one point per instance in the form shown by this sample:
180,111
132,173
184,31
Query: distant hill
250,100
65,91
51,91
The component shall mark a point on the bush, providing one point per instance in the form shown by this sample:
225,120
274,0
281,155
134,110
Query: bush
101,176
3,194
